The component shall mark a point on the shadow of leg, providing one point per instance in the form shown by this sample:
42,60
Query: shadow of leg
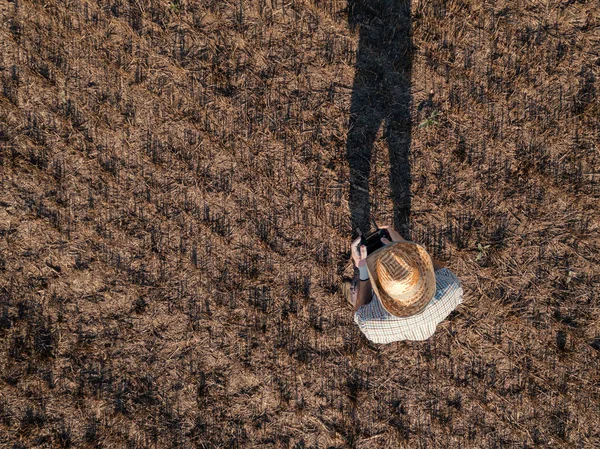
365,119
364,123
398,118
398,136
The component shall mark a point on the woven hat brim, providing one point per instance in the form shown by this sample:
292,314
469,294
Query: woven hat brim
425,264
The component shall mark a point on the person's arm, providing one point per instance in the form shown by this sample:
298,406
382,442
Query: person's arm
364,294
393,234
359,255
437,264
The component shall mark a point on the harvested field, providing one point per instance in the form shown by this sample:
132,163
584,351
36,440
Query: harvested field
179,182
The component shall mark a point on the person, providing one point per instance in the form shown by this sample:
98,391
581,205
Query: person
400,292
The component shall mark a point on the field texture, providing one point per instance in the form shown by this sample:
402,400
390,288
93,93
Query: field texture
180,182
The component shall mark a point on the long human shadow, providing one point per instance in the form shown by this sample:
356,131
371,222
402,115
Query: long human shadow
381,94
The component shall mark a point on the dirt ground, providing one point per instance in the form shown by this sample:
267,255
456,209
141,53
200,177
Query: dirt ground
179,184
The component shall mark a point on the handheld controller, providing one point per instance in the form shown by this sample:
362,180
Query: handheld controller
373,241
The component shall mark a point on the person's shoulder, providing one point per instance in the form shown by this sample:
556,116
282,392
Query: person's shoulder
445,274
447,283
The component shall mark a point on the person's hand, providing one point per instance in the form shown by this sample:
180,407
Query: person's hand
393,234
359,253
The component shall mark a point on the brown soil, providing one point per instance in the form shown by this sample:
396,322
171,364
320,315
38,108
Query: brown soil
176,209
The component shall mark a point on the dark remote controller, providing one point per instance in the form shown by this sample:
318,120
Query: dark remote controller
373,241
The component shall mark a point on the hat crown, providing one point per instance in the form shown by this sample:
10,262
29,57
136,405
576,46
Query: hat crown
403,277
398,275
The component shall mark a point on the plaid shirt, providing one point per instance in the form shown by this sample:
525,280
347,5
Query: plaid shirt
379,326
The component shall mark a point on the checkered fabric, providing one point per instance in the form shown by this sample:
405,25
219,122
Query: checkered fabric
381,327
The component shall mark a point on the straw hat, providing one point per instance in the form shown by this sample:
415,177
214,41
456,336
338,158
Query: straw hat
402,276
